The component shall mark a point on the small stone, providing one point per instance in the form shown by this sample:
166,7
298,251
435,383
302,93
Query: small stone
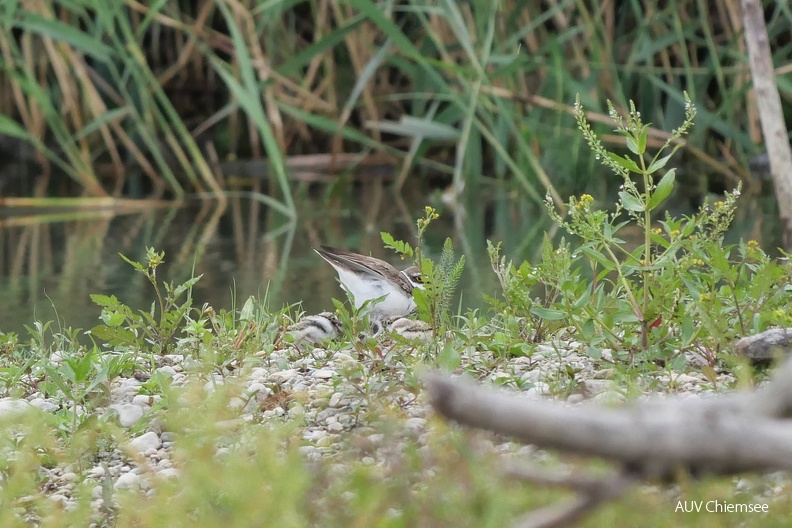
167,369
326,441
284,375
169,473
322,374
69,476
128,413
335,400
13,407
686,379
96,472
57,497
335,427
144,400
592,386
44,405
315,436
127,481
236,403
173,359
261,391
145,442
415,423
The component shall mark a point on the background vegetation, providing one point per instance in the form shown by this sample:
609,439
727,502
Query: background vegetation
156,98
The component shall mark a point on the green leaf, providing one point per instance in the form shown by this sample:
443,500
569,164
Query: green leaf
633,146
548,313
414,127
246,314
624,162
658,164
643,135
105,301
9,127
597,256
449,358
137,265
60,31
112,319
663,189
114,336
181,288
630,202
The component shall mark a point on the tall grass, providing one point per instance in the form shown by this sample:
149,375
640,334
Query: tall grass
474,89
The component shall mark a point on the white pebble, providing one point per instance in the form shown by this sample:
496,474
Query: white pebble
415,423
145,442
335,427
169,473
96,472
144,400
167,369
285,375
322,374
128,413
127,481
335,399
13,407
44,405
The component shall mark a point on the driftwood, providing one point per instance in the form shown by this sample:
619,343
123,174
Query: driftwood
657,439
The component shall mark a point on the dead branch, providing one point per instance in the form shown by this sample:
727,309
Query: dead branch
653,439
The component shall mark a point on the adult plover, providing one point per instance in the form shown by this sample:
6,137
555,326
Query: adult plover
368,278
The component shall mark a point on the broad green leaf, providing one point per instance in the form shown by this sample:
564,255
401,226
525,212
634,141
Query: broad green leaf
247,312
642,138
662,190
631,203
548,313
625,162
105,301
633,146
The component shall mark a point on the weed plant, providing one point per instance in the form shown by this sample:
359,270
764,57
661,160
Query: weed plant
680,290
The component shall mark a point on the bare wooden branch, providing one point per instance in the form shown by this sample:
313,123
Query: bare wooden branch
651,439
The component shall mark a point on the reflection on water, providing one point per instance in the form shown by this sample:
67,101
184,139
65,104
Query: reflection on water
49,268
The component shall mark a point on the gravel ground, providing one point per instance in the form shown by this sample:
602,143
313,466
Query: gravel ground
333,406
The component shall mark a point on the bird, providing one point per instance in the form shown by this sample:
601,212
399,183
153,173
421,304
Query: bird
410,329
314,329
369,278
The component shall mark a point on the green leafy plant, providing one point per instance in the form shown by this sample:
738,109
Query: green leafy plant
644,298
439,280
123,326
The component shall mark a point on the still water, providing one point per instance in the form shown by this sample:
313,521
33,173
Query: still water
50,264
